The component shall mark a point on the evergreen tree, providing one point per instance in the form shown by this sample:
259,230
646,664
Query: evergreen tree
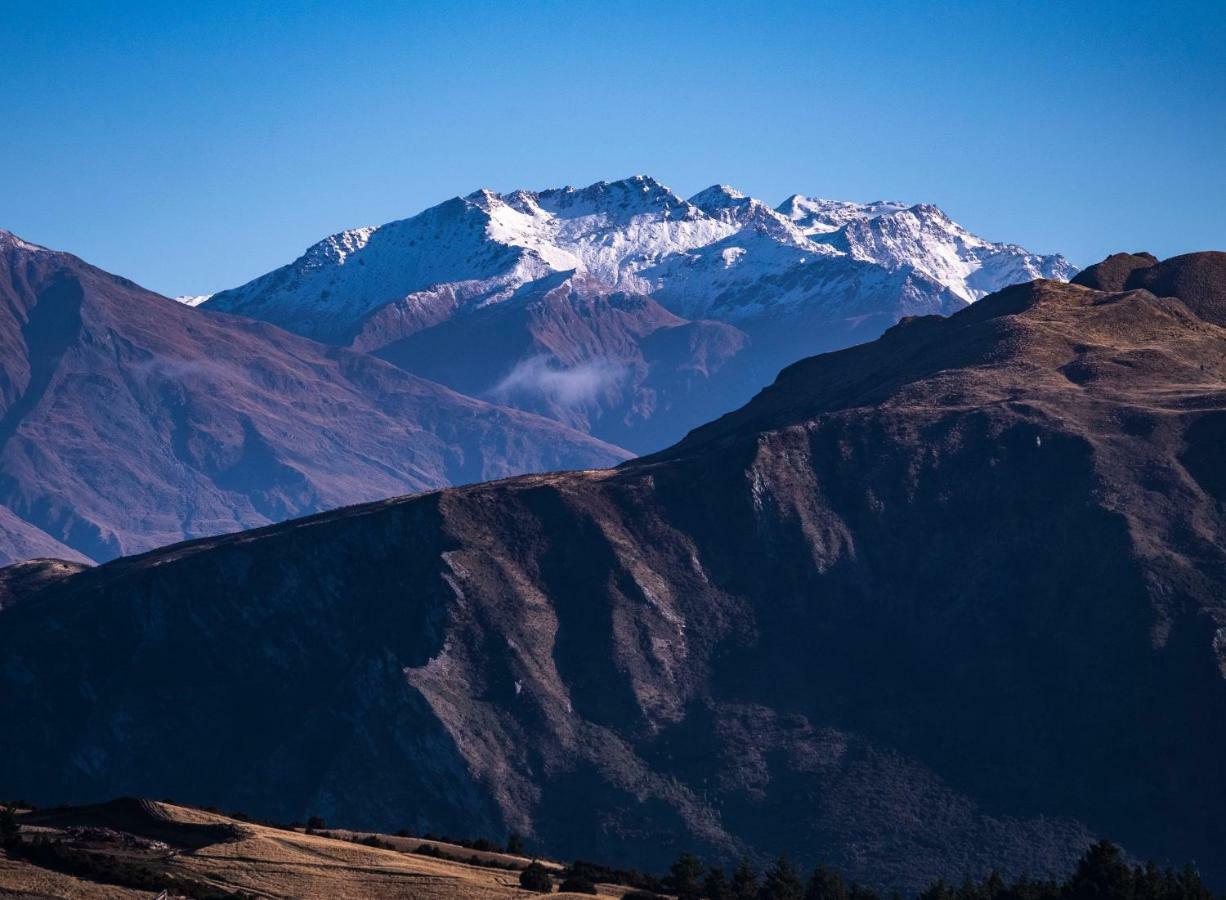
1100,875
745,881
1190,887
938,890
515,844
782,882
717,886
685,877
828,884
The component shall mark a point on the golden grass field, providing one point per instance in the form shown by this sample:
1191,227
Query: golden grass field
270,862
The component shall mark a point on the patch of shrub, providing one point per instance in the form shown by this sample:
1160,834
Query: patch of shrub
577,884
9,829
536,878
97,867
633,878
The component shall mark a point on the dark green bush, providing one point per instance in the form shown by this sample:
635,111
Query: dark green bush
536,878
577,884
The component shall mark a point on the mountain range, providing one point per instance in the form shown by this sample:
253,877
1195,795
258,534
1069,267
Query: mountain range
487,336
129,421
945,601
620,308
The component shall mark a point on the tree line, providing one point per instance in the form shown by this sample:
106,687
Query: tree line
1102,873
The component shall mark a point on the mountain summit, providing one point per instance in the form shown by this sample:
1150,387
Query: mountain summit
945,601
810,276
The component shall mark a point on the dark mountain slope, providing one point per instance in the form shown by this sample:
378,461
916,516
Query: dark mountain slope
1112,273
945,601
128,421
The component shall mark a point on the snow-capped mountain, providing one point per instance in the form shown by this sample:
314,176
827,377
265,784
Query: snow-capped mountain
925,238
808,276
634,234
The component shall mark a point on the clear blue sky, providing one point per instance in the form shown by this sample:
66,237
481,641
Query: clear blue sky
193,146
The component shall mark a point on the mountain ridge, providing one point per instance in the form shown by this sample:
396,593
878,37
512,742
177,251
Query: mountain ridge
608,230
128,421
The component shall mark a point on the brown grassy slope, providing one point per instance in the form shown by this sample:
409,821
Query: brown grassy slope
263,861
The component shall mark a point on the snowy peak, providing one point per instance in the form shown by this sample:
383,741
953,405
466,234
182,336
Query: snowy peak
337,248
628,198
926,239
727,204
718,197
813,215
8,239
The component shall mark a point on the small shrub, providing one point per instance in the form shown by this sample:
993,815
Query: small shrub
577,884
9,828
536,878
316,823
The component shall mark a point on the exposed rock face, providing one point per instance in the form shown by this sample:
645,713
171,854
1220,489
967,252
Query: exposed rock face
129,421
948,600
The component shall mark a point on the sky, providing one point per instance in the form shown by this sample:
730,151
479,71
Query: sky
192,147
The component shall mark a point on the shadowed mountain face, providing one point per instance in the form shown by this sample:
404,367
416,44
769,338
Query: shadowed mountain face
603,361
128,421
945,601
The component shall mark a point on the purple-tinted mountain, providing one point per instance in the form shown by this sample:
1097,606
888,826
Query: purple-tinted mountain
604,361
949,600
129,421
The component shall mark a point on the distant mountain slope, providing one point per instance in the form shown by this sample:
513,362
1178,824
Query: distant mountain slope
813,275
128,421
605,361
949,600
20,540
